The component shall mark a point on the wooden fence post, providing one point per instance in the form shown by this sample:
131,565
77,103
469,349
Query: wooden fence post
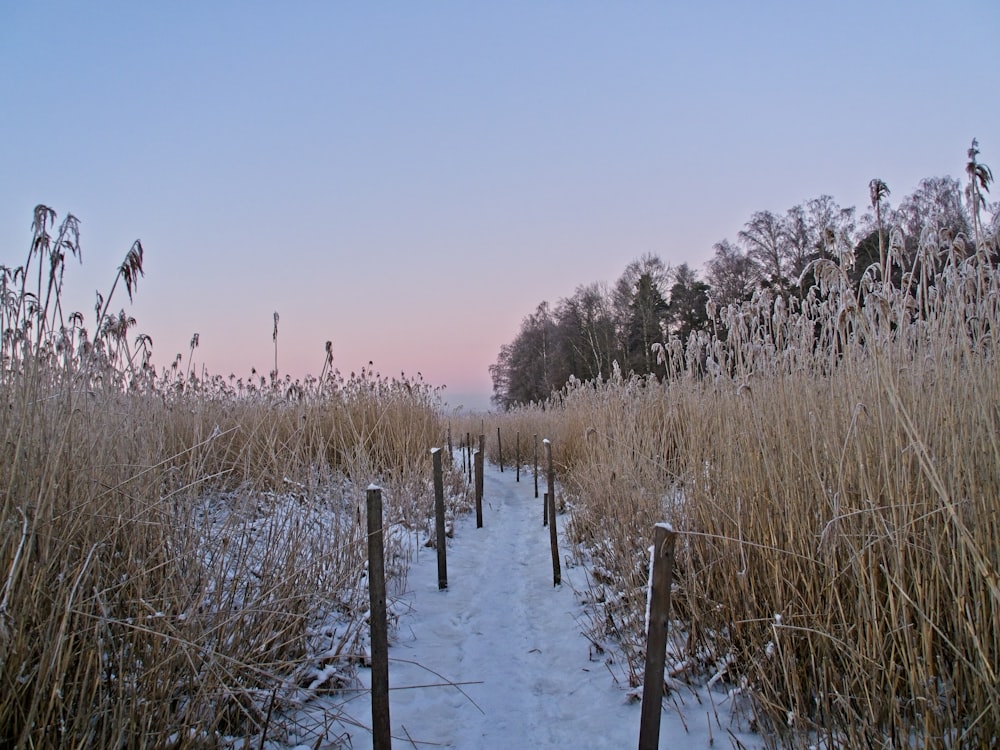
500,450
536,466
517,455
381,735
553,531
479,481
661,574
468,444
439,520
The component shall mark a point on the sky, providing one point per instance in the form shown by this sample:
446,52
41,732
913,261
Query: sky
409,180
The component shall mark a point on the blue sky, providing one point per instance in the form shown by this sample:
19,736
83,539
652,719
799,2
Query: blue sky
408,180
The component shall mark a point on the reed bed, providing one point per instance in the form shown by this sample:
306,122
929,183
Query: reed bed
182,557
833,468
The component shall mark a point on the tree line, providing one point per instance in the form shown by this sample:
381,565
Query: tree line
600,328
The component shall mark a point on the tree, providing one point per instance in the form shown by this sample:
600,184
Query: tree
801,240
623,294
587,332
688,299
647,313
500,376
731,274
525,369
830,226
764,238
935,205
827,231
868,253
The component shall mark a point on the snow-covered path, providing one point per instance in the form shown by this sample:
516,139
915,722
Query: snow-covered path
534,678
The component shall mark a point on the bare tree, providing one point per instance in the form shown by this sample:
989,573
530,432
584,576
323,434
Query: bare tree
587,332
935,205
731,274
830,225
764,238
800,240
526,369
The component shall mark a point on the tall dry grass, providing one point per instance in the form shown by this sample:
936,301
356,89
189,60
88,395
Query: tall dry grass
181,556
833,468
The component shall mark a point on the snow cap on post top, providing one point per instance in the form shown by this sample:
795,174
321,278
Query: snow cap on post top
374,486
546,442
665,525
434,450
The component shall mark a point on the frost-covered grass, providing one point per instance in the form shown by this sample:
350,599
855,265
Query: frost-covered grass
833,469
181,556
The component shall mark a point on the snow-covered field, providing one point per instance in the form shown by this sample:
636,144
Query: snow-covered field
500,659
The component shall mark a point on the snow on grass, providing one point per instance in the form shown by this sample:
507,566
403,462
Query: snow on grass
500,659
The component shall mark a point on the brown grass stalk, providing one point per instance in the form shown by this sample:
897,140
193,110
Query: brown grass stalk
179,551
833,468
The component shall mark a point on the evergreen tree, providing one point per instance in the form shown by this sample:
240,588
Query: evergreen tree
648,312
688,302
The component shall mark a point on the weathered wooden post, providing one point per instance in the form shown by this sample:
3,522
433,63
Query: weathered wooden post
479,481
553,531
450,446
661,574
439,520
381,735
468,444
500,450
517,455
536,466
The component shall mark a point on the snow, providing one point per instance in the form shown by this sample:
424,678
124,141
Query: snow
499,659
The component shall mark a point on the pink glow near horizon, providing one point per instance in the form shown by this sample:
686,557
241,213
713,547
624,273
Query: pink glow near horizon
410,181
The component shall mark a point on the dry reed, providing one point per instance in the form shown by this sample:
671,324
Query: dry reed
181,555
833,467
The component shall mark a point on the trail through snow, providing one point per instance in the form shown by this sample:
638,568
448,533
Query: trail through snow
524,674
